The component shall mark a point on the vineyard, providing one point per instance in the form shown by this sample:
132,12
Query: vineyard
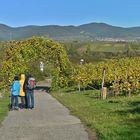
122,75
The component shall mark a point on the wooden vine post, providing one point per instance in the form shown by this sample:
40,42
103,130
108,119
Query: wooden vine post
103,89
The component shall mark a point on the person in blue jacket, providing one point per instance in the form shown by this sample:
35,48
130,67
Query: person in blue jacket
15,90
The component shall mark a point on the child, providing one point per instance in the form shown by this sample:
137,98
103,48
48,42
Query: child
22,93
15,89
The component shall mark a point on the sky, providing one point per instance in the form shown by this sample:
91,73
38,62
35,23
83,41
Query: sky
124,13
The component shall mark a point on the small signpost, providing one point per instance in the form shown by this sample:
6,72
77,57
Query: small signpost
41,66
81,61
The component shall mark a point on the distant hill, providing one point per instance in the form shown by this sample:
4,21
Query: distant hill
91,31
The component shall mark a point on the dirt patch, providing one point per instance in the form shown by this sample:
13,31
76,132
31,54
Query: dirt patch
92,135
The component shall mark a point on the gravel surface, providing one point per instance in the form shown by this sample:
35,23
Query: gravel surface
50,120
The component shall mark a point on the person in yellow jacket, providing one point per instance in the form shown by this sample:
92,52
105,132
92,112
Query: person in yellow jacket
22,93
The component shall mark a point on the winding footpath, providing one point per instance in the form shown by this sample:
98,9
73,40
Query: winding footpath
50,120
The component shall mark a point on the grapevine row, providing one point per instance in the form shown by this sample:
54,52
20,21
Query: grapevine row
122,75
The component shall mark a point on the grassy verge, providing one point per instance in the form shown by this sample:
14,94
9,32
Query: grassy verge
4,102
112,119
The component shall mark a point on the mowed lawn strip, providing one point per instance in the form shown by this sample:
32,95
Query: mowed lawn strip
4,102
116,118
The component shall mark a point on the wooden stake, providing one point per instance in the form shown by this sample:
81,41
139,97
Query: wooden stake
104,89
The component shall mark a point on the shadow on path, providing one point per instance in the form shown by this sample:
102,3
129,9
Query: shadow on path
43,88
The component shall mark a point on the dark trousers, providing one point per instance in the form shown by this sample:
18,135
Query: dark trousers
30,99
22,101
14,101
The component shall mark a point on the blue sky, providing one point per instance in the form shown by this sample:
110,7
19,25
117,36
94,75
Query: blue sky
124,13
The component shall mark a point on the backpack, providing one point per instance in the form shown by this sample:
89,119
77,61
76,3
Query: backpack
31,83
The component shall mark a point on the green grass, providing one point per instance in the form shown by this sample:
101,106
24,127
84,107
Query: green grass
4,102
109,48
112,119
104,47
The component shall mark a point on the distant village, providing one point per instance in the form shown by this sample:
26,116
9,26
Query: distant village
117,39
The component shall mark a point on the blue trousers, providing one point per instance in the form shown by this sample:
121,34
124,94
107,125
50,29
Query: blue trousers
14,101
30,99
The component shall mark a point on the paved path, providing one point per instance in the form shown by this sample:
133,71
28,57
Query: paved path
48,121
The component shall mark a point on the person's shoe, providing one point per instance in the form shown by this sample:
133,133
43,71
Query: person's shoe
16,108
11,109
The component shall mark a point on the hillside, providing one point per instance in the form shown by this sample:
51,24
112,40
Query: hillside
91,31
